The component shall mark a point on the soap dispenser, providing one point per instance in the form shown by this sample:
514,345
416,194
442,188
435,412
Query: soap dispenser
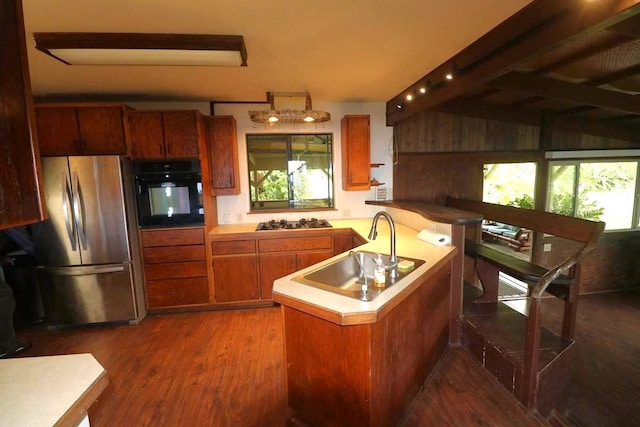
379,272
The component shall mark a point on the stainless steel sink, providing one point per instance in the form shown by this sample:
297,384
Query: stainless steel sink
343,276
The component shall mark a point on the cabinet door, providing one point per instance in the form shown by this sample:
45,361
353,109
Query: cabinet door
342,243
180,134
58,133
146,136
21,201
223,155
272,267
102,130
306,259
236,278
356,153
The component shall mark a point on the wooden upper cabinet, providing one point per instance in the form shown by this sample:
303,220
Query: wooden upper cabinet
146,135
21,201
80,130
223,155
180,134
164,134
356,153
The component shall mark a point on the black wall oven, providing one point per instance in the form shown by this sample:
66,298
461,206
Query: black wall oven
168,193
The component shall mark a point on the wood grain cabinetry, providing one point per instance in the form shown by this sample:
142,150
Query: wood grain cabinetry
356,153
235,270
20,198
164,134
245,269
279,257
175,267
223,155
69,130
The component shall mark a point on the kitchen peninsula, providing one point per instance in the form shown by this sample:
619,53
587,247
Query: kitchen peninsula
361,363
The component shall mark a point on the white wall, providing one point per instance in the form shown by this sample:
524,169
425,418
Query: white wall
349,204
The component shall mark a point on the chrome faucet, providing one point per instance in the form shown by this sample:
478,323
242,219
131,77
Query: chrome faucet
393,259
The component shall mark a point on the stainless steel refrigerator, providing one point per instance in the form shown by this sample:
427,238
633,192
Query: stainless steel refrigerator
87,250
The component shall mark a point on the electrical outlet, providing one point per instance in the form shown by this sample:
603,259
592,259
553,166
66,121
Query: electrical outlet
546,247
226,218
346,213
239,218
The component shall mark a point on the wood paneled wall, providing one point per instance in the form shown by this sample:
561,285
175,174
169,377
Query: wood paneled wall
443,155
578,141
430,132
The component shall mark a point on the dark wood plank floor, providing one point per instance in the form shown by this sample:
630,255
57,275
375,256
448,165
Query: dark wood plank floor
226,368
605,386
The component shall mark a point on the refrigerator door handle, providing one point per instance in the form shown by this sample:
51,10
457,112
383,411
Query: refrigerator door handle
66,197
78,211
84,270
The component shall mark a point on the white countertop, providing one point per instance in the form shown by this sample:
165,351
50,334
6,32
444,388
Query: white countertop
50,390
407,244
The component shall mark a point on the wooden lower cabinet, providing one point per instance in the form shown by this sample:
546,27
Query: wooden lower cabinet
236,278
306,259
245,269
272,267
175,268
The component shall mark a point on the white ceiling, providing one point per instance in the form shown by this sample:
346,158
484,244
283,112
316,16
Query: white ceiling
338,50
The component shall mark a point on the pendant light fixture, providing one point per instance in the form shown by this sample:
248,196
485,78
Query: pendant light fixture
289,116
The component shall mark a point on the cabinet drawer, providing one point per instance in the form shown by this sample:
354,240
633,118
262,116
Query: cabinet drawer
177,292
172,237
233,247
164,254
175,270
295,244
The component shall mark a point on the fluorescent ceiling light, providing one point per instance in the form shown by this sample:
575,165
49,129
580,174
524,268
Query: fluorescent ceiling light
143,49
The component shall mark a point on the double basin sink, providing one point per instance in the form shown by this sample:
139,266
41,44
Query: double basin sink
344,275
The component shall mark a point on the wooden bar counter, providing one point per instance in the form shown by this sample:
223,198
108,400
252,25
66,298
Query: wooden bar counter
358,363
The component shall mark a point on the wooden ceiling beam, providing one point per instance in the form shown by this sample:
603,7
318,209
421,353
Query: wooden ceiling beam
534,31
587,52
615,76
629,27
555,89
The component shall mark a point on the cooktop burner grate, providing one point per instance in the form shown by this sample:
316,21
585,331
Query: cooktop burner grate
283,224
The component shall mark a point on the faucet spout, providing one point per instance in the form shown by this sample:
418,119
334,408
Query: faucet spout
373,233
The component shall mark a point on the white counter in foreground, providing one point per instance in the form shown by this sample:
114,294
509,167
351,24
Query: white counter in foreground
344,310
50,390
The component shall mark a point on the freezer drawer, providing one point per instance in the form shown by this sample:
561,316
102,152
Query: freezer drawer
87,294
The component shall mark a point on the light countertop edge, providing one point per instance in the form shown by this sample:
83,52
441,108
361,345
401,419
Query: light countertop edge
62,388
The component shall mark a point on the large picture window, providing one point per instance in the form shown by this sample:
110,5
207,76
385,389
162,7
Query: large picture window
597,190
290,171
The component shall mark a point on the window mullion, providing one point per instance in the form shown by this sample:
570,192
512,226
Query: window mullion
636,200
576,189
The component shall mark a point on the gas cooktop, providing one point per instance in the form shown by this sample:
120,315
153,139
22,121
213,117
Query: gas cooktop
283,224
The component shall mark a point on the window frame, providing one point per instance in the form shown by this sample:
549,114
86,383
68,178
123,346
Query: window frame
288,136
577,162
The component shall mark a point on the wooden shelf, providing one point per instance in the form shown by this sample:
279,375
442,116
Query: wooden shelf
376,165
